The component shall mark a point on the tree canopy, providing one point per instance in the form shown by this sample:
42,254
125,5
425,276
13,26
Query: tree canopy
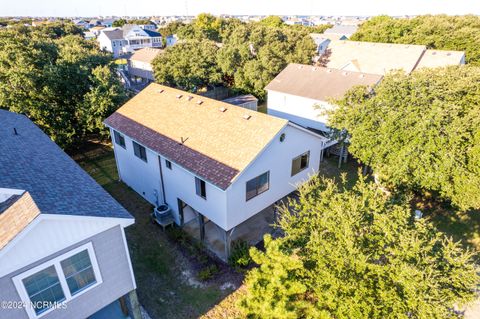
254,54
272,21
420,131
189,65
436,32
64,83
121,22
246,58
356,254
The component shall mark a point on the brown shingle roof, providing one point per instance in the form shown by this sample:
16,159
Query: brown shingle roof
439,58
145,55
319,83
374,58
217,145
21,212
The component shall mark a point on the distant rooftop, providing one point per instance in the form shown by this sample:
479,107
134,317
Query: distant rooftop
241,99
145,55
374,58
438,58
319,83
380,58
347,30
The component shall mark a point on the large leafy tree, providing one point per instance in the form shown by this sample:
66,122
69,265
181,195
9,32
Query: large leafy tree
189,65
357,254
437,32
254,54
242,56
272,21
420,131
204,26
57,78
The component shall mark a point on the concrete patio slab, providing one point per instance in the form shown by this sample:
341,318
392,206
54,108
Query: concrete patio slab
250,231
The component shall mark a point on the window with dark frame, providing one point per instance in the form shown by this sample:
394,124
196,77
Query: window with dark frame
119,139
201,188
257,185
168,164
300,163
139,151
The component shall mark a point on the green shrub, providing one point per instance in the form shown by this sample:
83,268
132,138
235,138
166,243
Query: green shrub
208,272
239,256
176,234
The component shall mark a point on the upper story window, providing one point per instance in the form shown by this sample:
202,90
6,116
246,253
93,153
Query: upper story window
168,164
47,286
78,271
44,289
139,151
258,185
300,163
201,188
119,139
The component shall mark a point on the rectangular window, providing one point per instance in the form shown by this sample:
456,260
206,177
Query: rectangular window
300,163
119,139
139,151
258,185
200,188
168,164
78,272
44,289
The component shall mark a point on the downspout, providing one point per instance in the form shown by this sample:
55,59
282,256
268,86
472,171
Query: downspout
161,178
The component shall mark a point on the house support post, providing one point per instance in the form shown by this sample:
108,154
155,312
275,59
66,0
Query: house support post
340,155
201,224
321,154
133,305
227,236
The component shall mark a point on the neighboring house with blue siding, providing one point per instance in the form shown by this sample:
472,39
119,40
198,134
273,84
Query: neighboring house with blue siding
63,252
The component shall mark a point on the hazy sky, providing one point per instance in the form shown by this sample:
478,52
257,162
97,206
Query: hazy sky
193,7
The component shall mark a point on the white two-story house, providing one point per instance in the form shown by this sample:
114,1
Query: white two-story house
128,39
303,94
63,251
223,162
140,68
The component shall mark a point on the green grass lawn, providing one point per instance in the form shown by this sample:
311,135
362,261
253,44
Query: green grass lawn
157,261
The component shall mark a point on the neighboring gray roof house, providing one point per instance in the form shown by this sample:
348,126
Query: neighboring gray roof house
52,213
33,163
113,34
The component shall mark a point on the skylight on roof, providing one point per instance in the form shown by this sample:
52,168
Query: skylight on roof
179,96
222,109
200,102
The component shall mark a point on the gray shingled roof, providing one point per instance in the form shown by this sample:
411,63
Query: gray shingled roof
31,161
342,29
116,34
